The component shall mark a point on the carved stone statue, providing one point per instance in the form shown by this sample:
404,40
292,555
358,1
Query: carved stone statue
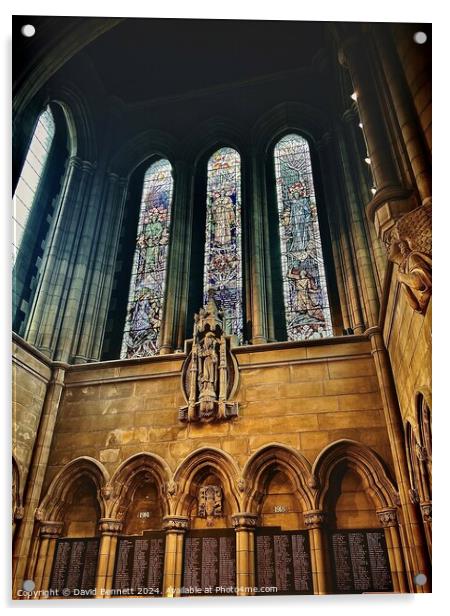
208,368
210,503
409,246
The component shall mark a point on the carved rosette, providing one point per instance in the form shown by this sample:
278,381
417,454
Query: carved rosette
109,526
425,509
210,371
314,518
387,517
175,523
50,529
244,521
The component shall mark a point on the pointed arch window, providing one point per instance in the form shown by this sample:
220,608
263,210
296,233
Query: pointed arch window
148,278
223,258
32,172
304,285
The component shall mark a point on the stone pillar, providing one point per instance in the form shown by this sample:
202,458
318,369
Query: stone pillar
314,521
97,270
177,274
48,320
109,529
257,259
388,520
22,567
416,557
391,199
48,534
175,527
244,524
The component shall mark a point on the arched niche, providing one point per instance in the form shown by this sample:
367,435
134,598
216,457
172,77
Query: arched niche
348,504
82,512
280,505
145,510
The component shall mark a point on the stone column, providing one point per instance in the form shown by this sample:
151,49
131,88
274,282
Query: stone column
48,312
177,274
314,522
48,534
245,524
391,199
416,556
109,529
23,567
98,271
257,258
175,527
388,520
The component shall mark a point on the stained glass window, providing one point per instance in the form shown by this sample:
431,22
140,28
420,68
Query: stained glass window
146,297
223,264
30,177
304,285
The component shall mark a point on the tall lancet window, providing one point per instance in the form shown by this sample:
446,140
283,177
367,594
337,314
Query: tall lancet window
32,172
223,262
305,290
145,302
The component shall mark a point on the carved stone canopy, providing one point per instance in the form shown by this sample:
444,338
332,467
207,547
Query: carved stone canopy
210,372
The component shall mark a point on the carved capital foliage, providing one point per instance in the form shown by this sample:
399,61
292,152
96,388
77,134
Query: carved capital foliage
244,520
387,517
314,519
51,530
425,509
176,523
110,526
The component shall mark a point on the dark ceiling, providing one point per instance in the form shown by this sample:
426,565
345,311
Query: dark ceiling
141,59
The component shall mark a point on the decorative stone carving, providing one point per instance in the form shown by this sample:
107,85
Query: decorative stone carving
171,489
39,514
387,517
19,512
50,529
409,246
421,453
241,485
425,508
210,372
106,492
413,496
314,519
110,526
210,503
244,520
175,523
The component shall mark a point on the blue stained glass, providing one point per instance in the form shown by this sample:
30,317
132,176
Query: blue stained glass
223,262
304,285
145,303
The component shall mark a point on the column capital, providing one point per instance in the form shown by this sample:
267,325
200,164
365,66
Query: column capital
244,520
50,529
314,518
176,523
387,516
109,526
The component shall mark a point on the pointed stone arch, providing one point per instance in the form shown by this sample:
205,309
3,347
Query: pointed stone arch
280,457
129,475
361,459
201,462
58,494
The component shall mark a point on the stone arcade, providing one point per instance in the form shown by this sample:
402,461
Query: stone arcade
284,446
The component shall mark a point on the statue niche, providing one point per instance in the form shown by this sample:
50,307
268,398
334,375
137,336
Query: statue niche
209,372
409,246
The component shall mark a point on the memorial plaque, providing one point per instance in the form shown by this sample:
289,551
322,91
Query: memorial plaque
209,563
139,565
283,562
74,567
360,561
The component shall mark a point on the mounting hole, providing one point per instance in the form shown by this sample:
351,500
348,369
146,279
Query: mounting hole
28,30
420,38
29,585
420,579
